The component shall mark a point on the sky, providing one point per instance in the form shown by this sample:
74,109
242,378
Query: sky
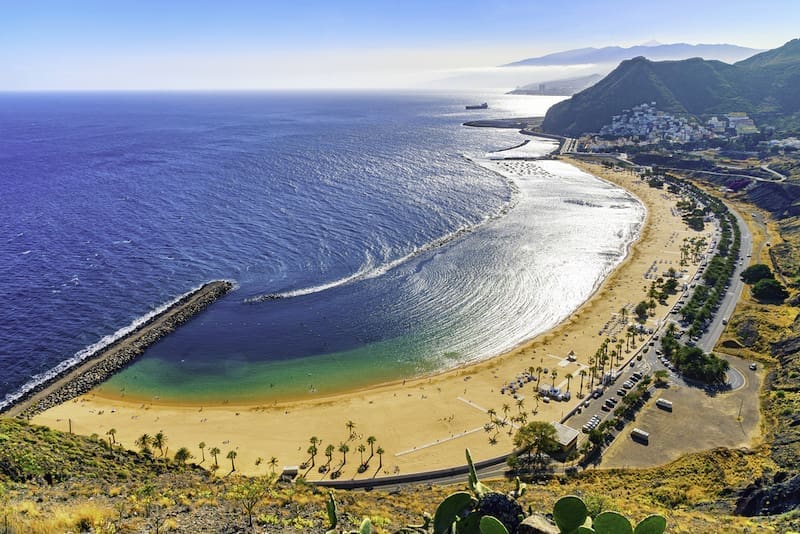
249,44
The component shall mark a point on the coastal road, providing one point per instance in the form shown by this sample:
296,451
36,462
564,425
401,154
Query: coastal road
651,363
710,338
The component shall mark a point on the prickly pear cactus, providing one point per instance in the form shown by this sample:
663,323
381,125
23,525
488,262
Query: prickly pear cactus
501,507
569,513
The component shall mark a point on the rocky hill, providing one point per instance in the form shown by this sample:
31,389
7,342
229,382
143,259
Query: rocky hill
763,85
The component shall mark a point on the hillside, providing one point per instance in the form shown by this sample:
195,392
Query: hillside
657,52
124,491
764,86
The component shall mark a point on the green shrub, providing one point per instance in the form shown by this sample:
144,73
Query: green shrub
770,290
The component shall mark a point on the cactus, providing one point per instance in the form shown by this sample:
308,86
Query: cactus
333,519
520,490
652,524
612,523
475,485
450,510
490,525
571,516
569,513
366,527
333,516
483,511
503,508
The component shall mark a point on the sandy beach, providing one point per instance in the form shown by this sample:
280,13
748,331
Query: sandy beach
421,424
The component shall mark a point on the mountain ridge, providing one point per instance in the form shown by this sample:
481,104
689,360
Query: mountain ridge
762,85
660,52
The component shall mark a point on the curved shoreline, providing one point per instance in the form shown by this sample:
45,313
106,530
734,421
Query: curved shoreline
380,270
98,367
431,419
604,279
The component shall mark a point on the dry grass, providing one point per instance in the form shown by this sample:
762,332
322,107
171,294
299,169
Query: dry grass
81,516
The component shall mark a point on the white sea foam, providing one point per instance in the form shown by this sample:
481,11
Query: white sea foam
89,351
367,271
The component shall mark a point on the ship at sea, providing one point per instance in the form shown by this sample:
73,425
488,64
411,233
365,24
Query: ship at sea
479,106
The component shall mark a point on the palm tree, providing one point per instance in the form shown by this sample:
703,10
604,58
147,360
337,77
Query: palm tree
538,374
143,442
214,451
593,367
506,408
492,413
202,446
554,374
583,374
344,449
380,452
632,330
351,427
314,440
273,463
371,442
232,456
329,452
182,455
601,360
520,405
159,440
361,449
312,451
624,313
568,376
112,434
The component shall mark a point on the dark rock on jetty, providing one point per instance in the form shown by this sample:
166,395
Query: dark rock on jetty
100,366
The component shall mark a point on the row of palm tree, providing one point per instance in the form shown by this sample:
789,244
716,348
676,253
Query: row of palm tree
148,443
344,448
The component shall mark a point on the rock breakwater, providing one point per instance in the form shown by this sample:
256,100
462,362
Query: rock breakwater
83,377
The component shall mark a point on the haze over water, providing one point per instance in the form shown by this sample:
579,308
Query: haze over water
400,245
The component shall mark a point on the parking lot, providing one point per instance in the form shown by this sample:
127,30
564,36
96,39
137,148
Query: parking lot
699,420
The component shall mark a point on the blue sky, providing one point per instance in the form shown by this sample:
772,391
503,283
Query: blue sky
81,44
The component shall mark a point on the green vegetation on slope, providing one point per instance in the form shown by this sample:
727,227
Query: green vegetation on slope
764,86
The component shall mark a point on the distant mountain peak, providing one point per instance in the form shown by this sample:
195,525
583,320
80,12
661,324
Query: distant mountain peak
651,43
653,50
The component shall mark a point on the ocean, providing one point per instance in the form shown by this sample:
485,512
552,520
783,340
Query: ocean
399,241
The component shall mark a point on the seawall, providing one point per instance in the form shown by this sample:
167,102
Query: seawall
99,367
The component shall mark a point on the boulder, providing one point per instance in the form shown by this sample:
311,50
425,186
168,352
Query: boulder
537,524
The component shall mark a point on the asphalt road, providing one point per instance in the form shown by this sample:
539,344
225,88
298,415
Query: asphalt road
650,363
728,303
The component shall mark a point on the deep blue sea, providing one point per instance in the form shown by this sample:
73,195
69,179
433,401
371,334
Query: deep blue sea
400,242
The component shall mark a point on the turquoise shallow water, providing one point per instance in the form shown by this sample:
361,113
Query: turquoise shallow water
401,247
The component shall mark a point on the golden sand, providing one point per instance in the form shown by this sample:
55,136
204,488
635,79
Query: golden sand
421,424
